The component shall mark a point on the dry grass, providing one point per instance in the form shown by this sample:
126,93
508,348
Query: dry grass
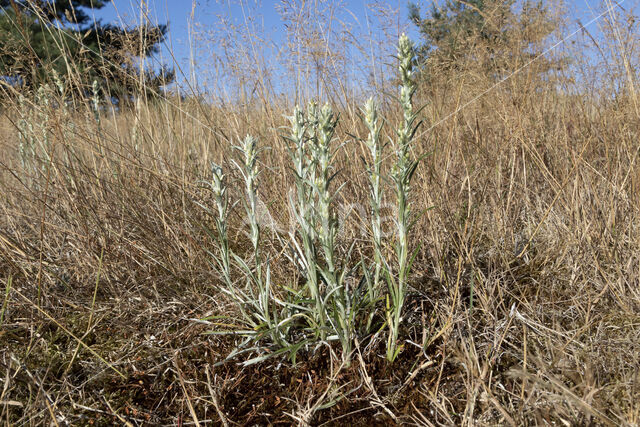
523,305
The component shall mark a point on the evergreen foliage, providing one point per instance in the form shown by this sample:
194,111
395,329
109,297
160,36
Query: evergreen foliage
495,36
38,37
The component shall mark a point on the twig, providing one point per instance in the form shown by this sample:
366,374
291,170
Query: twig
214,397
186,394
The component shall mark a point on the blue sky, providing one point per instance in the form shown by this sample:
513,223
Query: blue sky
178,13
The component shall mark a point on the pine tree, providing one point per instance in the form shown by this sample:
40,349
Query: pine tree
495,36
38,37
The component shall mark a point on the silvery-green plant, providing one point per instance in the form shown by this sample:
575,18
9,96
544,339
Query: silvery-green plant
26,134
303,209
255,301
322,157
58,81
330,312
302,167
59,99
338,302
218,187
324,308
374,125
95,107
401,175
35,139
95,100
260,274
43,101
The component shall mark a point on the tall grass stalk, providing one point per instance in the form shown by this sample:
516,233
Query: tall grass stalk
5,301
